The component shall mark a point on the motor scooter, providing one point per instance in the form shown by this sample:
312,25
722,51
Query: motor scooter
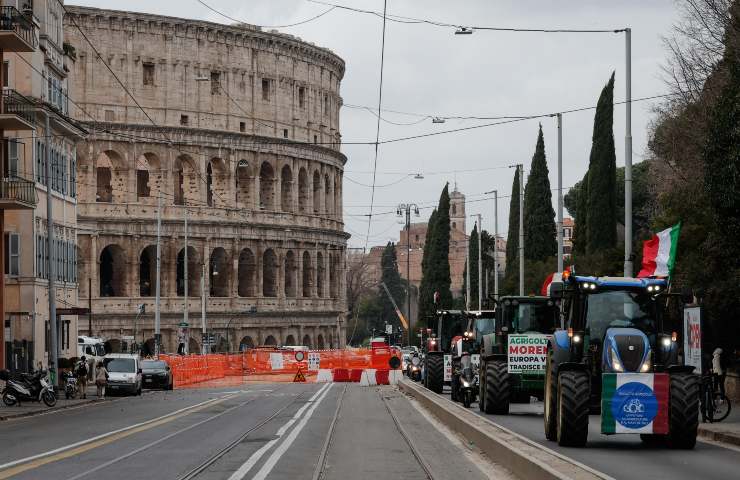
28,387
70,385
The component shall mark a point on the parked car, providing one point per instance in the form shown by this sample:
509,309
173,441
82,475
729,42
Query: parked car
156,374
124,373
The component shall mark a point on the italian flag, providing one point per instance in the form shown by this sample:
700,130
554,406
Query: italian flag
634,403
659,253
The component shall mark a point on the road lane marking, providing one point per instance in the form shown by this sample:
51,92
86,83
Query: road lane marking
283,447
160,440
15,467
242,471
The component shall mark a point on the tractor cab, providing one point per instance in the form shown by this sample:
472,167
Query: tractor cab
438,358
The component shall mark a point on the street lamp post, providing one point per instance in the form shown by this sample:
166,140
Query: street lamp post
406,208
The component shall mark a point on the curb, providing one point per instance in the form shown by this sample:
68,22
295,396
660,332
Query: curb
523,457
731,438
33,413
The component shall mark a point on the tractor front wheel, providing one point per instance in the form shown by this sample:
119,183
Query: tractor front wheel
550,394
683,411
498,388
572,422
435,373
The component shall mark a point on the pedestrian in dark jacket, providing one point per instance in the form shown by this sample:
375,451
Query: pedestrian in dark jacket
81,373
101,379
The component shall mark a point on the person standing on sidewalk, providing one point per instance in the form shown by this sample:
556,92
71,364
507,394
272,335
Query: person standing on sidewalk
101,379
717,369
81,373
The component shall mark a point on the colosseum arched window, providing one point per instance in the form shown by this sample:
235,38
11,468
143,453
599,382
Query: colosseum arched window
243,185
290,340
209,184
329,199
306,274
269,273
148,177
113,272
337,195
320,342
333,276
194,272
307,341
247,272
291,270
302,190
111,177
267,186
286,189
270,341
316,192
147,270
219,273
246,343
320,273
186,183
217,180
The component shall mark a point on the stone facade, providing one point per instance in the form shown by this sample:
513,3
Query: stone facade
241,134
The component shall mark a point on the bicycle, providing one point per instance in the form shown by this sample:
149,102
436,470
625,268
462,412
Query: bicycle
715,404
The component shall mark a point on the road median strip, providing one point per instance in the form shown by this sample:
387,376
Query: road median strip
524,458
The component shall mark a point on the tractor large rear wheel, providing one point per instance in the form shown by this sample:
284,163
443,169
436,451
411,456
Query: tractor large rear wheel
498,388
572,421
551,390
683,414
435,373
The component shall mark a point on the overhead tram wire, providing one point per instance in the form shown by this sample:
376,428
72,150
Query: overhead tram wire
377,129
413,20
266,26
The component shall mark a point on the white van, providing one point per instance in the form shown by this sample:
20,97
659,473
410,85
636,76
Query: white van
124,373
93,350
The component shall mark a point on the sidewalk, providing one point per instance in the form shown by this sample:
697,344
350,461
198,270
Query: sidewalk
726,431
28,409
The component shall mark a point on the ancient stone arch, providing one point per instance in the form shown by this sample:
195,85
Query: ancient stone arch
267,186
270,341
306,274
316,192
194,272
147,271
307,341
286,189
243,185
220,273
113,268
303,191
329,196
290,340
291,271
320,274
111,177
148,177
245,343
269,273
247,274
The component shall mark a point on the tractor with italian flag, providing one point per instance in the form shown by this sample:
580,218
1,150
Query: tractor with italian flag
615,355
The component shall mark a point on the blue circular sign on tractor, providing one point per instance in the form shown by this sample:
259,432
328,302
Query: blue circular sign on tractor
634,405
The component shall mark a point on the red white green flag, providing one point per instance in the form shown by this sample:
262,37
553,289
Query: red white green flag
634,403
659,253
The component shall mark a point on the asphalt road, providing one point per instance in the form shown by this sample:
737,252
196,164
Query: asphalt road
276,431
625,456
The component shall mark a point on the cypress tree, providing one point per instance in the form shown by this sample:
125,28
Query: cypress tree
392,280
473,256
440,260
512,243
539,216
580,230
602,177
426,294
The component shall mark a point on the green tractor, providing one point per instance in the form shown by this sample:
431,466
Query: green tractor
437,365
514,351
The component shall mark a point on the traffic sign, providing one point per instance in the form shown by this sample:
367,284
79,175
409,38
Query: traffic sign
299,376
299,356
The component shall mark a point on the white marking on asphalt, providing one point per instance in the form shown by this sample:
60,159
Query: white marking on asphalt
102,436
151,444
283,447
242,471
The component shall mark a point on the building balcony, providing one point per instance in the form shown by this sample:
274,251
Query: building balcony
17,31
16,111
17,194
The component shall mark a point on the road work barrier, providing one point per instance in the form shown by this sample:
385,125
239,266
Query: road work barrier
277,365
523,457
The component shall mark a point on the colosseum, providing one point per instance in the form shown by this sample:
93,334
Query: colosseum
237,138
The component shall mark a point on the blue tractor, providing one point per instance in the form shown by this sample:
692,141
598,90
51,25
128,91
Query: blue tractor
613,355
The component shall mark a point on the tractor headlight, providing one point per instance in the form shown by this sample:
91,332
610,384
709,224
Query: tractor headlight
433,342
666,341
576,338
465,383
616,364
645,366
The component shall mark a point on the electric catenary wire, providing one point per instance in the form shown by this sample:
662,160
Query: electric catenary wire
266,26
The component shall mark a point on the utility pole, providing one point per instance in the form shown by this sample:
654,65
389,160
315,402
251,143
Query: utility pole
521,229
560,192
89,306
467,278
628,156
203,307
185,271
495,244
54,347
406,208
480,263
157,331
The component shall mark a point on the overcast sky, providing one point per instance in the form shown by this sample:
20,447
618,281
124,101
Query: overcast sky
430,70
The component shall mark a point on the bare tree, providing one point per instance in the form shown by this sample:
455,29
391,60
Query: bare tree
696,46
360,284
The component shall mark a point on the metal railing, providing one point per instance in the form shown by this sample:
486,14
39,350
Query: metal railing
16,104
13,20
18,189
